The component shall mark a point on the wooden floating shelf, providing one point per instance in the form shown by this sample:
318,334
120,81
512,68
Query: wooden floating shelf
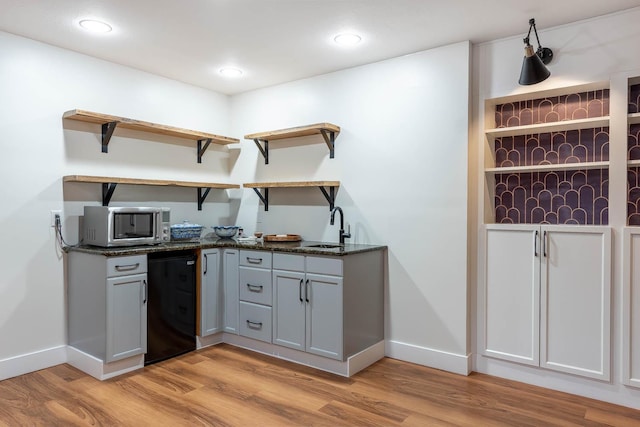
109,123
327,130
109,185
565,125
328,189
548,168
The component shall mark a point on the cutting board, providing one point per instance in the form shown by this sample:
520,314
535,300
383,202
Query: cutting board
282,238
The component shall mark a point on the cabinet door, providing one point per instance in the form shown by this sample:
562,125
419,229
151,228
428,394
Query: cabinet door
631,308
324,315
576,297
289,309
126,316
512,293
210,293
230,263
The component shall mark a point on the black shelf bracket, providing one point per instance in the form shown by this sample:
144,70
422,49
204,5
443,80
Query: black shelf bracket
265,150
264,198
201,148
107,191
330,196
202,195
330,140
107,131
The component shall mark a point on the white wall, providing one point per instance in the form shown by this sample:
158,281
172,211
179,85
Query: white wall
595,50
38,84
401,158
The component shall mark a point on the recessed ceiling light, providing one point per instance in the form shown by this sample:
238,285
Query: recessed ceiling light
230,72
347,39
95,26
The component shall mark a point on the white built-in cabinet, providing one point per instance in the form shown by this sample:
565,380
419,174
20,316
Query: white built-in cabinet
307,306
547,297
631,307
211,292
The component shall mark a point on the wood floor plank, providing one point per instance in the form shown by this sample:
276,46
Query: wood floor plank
229,386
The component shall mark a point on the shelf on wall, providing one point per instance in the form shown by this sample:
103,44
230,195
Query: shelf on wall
561,126
548,168
109,124
109,185
328,189
633,118
327,130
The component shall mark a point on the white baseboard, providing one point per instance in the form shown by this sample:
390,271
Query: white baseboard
209,340
31,362
98,369
450,362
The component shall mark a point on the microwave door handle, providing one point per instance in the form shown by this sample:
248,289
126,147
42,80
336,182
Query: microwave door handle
158,225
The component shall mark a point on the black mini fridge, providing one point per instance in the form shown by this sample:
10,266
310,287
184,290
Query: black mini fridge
171,309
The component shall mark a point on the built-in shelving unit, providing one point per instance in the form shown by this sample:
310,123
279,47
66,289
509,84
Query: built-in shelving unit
327,130
109,124
548,156
109,185
328,189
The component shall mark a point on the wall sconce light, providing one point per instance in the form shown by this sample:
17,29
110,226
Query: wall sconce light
534,68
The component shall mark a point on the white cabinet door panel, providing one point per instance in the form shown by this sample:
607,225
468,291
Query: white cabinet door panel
126,316
211,293
230,279
324,315
289,309
575,300
512,293
631,308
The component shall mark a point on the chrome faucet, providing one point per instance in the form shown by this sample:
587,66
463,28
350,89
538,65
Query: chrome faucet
343,235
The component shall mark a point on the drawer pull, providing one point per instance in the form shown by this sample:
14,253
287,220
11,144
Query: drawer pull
254,260
128,267
300,291
254,325
254,288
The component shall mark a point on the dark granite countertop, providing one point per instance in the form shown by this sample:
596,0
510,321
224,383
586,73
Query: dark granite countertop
303,247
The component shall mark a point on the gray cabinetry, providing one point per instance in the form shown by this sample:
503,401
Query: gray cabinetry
230,262
255,295
317,303
107,297
211,292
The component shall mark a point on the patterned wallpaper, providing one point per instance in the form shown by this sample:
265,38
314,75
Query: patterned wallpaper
634,99
564,197
553,109
633,173
557,197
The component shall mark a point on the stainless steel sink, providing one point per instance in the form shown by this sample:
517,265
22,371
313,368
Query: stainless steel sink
324,246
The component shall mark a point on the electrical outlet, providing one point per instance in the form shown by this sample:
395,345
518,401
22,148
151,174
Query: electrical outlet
54,214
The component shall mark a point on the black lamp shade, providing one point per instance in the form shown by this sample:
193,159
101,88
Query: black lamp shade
533,69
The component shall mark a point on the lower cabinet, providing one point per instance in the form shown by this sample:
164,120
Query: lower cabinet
230,280
631,308
307,307
211,292
547,297
107,313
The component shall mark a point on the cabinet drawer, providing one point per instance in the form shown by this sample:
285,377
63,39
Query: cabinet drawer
255,285
288,262
126,265
255,321
255,258
322,265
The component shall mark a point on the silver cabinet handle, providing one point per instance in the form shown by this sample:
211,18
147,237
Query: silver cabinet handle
254,325
535,244
128,267
255,288
254,260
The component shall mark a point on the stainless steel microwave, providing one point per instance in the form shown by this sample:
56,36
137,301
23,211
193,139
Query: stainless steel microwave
125,226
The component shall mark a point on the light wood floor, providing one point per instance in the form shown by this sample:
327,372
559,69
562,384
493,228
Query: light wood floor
228,386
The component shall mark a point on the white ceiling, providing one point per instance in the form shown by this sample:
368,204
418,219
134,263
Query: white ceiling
276,41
